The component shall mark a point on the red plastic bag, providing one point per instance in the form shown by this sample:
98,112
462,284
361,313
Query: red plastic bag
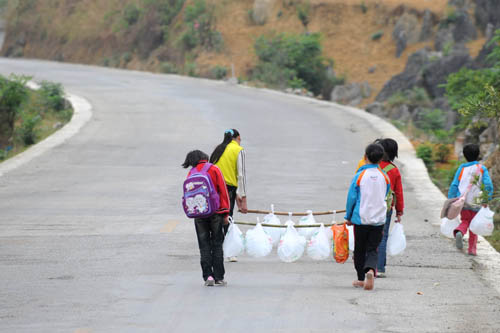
340,243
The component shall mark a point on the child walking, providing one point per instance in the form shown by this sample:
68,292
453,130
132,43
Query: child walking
467,181
229,156
387,165
366,209
209,230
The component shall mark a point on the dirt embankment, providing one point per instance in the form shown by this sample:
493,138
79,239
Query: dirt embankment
92,32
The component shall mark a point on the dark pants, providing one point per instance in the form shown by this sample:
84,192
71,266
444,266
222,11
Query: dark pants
231,190
382,248
367,238
210,240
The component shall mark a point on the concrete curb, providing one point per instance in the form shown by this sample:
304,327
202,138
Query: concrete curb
488,259
81,114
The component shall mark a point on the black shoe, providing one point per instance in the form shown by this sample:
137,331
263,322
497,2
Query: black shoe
459,240
220,283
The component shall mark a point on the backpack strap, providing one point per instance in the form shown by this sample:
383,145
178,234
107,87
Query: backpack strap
206,167
388,167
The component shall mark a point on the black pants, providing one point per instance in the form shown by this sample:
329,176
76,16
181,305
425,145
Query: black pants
367,239
210,240
231,190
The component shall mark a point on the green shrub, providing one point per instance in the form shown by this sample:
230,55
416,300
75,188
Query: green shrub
364,8
468,83
442,153
28,128
3,154
191,69
131,14
431,120
127,57
284,58
189,39
219,72
424,151
377,35
13,93
168,68
52,95
494,57
303,13
194,11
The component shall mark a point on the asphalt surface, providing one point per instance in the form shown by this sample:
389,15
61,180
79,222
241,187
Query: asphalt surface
93,238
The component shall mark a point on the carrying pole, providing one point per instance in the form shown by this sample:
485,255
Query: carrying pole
329,212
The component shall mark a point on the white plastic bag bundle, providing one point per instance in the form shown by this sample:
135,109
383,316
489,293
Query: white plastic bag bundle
258,243
309,219
396,243
447,226
234,242
350,229
291,246
482,223
319,247
275,233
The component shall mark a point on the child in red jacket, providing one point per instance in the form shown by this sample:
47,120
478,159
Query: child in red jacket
209,230
391,152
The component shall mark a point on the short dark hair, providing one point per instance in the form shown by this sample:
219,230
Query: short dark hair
374,152
193,158
390,148
471,152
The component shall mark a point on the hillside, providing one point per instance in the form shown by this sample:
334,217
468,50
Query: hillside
113,34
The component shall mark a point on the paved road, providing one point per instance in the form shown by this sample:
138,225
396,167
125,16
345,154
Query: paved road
92,237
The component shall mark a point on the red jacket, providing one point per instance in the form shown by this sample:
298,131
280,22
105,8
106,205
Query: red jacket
396,186
220,186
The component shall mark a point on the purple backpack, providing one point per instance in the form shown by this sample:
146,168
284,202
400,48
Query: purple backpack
200,198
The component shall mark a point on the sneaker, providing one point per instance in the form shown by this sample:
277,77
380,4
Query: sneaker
220,283
210,282
459,240
233,259
369,280
381,275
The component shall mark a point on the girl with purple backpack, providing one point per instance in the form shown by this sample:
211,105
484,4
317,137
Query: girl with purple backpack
209,230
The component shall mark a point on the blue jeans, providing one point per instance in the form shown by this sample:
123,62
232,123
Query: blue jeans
382,248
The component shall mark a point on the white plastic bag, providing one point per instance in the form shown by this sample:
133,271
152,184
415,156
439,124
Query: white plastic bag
396,243
234,242
309,219
482,223
319,247
258,243
350,229
291,246
275,233
447,226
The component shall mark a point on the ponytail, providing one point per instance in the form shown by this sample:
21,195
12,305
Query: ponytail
229,135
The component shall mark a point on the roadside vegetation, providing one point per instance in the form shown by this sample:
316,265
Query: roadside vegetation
295,61
475,95
29,116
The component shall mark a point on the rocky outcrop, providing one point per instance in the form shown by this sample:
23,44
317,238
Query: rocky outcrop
436,72
427,26
351,94
464,29
487,11
410,77
405,32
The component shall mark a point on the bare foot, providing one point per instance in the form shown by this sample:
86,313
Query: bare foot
358,284
369,280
